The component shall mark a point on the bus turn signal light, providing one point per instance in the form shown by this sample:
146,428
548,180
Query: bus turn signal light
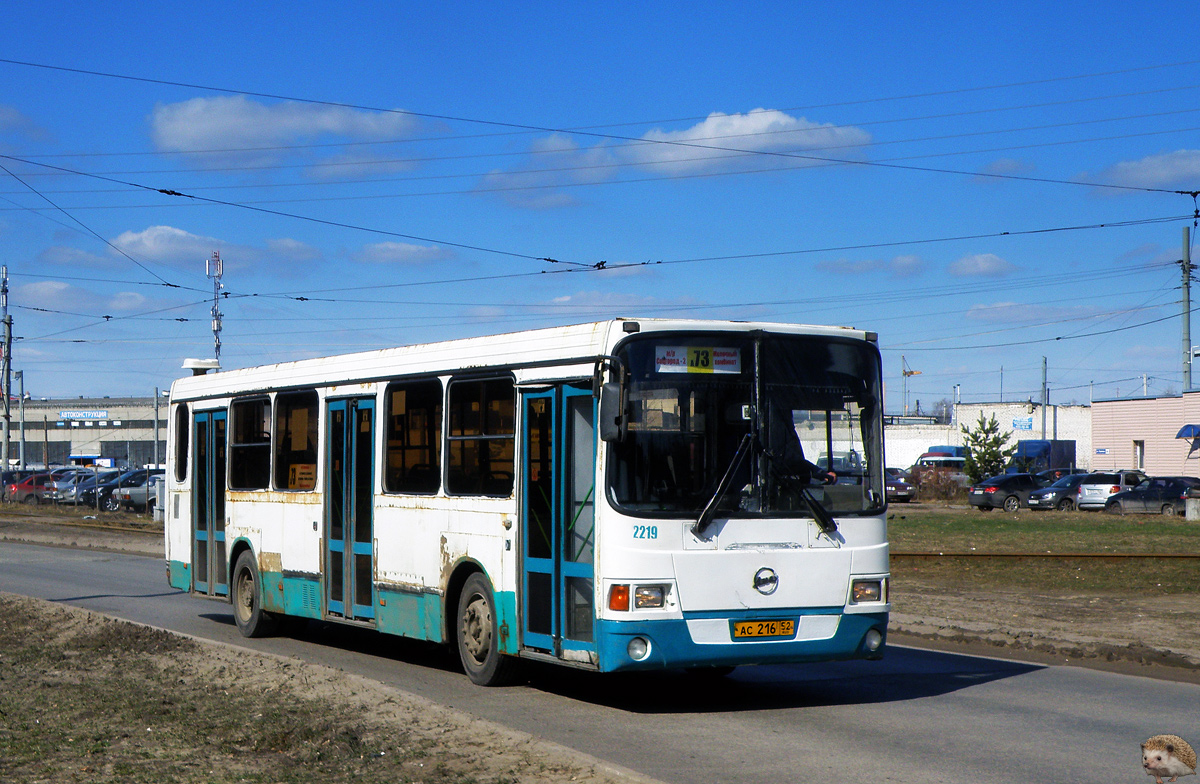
618,597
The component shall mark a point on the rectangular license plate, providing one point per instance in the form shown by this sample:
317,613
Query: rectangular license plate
774,628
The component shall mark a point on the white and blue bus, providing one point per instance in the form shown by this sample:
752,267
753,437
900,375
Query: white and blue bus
616,496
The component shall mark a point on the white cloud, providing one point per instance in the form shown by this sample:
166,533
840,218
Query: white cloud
238,122
897,267
57,295
14,122
66,256
759,131
183,250
1155,171
981,265
401,253
760,139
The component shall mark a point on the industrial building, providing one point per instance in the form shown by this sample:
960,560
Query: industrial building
124,431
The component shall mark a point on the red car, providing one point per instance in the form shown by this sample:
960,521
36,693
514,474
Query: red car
29,489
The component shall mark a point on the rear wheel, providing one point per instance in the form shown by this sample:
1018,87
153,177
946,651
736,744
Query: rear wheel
1012,503
1114,507
1168,510
252,619
1065,505
479,637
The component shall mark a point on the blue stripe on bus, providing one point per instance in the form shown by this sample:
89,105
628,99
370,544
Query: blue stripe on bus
671,645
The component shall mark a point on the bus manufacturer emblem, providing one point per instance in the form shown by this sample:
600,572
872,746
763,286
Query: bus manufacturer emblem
766,581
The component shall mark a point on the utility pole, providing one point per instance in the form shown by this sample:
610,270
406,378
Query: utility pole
213,268
7,368
156,427
20,374
1045,398
1186,264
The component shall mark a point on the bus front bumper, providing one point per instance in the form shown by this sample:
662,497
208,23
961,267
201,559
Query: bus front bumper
707,640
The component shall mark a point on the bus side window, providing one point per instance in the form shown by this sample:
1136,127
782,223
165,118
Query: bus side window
414,437
296,440
480,450
250,444
182,425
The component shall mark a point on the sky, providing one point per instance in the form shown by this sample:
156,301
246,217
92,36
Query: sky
984,187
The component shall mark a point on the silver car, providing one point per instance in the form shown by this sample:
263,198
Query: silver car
1095,489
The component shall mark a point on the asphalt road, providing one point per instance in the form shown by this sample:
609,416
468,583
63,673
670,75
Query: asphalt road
916,716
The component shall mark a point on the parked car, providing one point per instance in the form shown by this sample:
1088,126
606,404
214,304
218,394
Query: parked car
109,489
143,495
1100,486
1157,495
29,490
899,491
12,477
929,468
1007,491
1061,495
66,491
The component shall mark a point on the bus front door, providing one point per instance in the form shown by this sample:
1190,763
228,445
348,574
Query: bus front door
349,503
558,521
208,504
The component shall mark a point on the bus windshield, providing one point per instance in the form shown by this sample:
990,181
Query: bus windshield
809,407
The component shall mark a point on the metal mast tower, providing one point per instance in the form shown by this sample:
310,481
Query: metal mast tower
213,268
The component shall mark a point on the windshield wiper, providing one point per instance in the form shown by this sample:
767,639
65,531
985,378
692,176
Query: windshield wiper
821,515
710,509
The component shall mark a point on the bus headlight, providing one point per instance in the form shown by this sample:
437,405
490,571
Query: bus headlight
649,596
862,591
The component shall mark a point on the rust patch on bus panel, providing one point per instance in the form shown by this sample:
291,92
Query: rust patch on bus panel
275,497
270,562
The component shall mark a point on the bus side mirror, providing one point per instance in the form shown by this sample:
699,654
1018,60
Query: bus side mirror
614,419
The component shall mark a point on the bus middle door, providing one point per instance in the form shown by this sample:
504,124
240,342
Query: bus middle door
558,521
349,510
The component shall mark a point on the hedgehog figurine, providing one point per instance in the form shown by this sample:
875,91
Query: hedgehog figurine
1168,755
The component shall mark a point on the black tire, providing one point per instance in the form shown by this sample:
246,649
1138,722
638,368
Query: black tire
32,499
111,504
1065,505
1012,503
252,620
478,637
1114,507
1168,510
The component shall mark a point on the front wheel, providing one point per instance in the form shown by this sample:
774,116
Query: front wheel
252,619
1066,505
111,504
32,499
1168,510
1012,503
478,635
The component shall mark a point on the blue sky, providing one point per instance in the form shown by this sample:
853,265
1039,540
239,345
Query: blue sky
392,173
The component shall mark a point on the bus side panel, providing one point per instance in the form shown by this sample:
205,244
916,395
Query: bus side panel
177,514
410,614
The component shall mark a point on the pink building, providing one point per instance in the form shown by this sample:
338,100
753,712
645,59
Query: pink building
1142,433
